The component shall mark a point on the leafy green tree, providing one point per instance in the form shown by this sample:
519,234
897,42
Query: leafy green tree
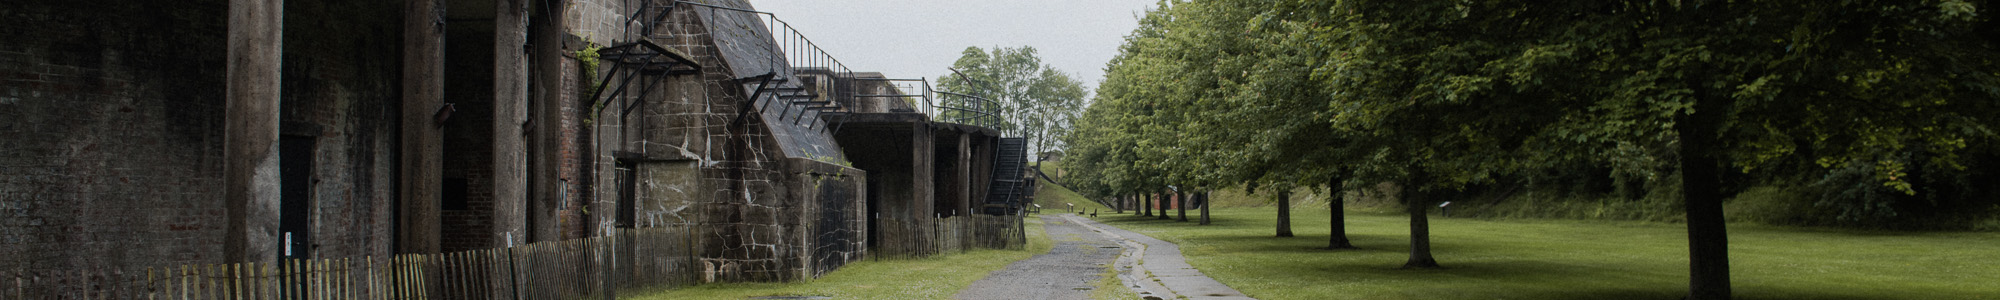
1031,98
1441,95
1725,85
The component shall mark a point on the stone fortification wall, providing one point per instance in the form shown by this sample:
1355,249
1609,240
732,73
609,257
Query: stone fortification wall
113,119
759,185
111,115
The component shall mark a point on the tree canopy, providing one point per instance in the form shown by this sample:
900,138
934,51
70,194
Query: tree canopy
1030,97
1441,96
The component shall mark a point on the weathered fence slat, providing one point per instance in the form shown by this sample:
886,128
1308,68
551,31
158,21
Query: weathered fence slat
624,258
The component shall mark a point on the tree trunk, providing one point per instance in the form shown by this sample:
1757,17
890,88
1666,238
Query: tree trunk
1180,204
1338,205
1284,213
1202,199
1146,205
1132,201
1418,204
1708,237
1161,198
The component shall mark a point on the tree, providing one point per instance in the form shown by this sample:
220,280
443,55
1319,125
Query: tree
1436,96
1284,213
1203,200
1336,203
1735,85
1032,98
1148,206
1180,204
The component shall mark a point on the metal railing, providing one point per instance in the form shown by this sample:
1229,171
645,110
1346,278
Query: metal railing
921,97
914,93
793,53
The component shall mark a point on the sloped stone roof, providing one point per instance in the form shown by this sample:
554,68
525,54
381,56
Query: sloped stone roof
748,49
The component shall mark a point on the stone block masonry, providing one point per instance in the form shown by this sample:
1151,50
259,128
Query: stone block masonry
125,147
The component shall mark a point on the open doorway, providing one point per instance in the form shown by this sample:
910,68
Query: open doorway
295,162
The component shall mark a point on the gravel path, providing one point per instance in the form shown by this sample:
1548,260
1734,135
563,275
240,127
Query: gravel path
1066,272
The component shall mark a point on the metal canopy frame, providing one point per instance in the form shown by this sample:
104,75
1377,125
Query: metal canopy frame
635,60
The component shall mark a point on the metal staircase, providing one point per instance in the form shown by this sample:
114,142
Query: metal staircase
1009,178
797,97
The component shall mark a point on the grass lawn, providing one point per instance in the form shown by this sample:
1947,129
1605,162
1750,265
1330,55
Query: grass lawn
1565,259
924,278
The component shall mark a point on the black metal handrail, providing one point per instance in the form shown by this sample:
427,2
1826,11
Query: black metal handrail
791,52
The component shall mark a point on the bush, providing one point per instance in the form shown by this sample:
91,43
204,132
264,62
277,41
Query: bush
1778,206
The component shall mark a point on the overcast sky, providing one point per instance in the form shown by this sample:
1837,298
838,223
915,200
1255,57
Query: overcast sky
920,38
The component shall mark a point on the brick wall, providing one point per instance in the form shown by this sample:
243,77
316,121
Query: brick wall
111,115
113,118
335,92
468,136
571,203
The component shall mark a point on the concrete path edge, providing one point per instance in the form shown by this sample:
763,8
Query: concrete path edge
1170,276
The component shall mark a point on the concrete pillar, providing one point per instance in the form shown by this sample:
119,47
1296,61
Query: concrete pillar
964,176
545,171
924,196
510,97
250,157
423,95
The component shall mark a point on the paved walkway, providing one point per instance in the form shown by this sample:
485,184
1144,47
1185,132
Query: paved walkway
1150,267
1066,272
1155,268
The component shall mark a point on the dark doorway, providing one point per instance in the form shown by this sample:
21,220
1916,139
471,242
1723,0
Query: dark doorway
874,213
295,162
628,212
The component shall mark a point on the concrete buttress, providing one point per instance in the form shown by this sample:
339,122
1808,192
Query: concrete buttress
250,182
423,97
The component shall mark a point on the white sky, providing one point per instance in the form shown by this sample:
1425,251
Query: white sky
920,38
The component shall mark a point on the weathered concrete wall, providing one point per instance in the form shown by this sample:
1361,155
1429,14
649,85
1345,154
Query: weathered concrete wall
985,149
706,155
669,193
948,168
116,139
553,123
338,96
898,153
597,21
112,117
250,149
510,117
420,150
835,224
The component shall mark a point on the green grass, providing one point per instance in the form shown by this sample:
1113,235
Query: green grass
922,278
1568,259
1053,197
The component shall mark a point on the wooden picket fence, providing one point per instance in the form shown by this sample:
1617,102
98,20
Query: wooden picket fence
948,235
660,257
